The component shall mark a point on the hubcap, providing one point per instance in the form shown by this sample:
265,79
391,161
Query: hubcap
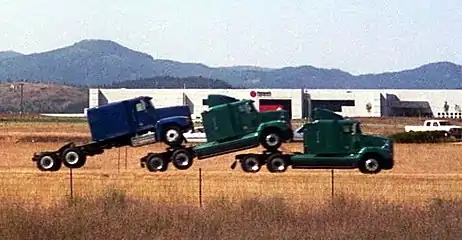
272,139
182,159
371,165
46,162
72,158
172,135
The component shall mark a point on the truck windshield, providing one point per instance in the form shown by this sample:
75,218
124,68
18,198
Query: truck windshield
247,108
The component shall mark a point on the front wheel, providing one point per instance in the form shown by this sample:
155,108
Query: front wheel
172,136
182,159
370,165
271,140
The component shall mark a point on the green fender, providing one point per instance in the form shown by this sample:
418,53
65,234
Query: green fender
282,125
383,153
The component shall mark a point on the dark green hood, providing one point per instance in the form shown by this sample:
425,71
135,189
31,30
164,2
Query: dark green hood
275,115
374,140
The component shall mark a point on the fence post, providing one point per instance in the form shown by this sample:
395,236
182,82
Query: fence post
71,183
126,150
118,163
332,183
200,187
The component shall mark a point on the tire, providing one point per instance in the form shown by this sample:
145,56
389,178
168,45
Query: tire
271,140
370,165
156,163
250,164
73,158
48,163
172,136
277,163
182,159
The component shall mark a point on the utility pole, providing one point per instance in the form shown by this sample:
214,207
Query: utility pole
22,98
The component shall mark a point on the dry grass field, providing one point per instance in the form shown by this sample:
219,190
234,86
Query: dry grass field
424,174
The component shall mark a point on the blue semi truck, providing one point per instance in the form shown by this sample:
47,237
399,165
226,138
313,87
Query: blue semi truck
133,122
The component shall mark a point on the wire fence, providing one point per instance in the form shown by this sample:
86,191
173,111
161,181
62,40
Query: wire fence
198,187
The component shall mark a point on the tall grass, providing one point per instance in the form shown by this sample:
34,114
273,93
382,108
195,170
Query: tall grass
113,215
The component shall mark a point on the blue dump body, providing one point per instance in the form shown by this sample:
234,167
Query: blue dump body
133,116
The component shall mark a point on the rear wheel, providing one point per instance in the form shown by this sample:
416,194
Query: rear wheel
271,140
370,165
277,163
48,162
172,136
156,163
182,159
250,164
74,158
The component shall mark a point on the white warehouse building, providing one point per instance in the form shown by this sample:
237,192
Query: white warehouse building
352,103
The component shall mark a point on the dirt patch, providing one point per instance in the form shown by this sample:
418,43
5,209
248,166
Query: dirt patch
49,139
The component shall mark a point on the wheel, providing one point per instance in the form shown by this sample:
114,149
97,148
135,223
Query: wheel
250,164
57,166
182,159
370,165
271,140
277,163
74,158
48,162
156,163
172,136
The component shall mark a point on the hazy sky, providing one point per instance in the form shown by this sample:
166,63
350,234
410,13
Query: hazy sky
359,36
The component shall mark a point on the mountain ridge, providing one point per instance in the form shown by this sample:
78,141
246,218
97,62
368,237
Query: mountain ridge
98,61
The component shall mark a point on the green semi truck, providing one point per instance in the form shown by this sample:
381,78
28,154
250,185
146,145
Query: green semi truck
230,125
329,142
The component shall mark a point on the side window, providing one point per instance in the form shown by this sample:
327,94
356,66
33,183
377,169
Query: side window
435,124
241,108
428,124
249,107
346,128
141,106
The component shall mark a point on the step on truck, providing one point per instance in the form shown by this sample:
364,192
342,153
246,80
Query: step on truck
230,125
133,122
329,142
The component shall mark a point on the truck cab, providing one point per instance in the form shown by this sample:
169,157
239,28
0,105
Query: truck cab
139,121
329,142
233,125
341,143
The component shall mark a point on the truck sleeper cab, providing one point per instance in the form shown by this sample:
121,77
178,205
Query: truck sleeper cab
328,144
133,122
230,125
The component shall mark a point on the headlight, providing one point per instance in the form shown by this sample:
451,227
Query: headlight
387,145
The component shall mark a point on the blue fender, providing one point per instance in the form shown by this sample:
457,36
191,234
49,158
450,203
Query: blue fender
183,122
